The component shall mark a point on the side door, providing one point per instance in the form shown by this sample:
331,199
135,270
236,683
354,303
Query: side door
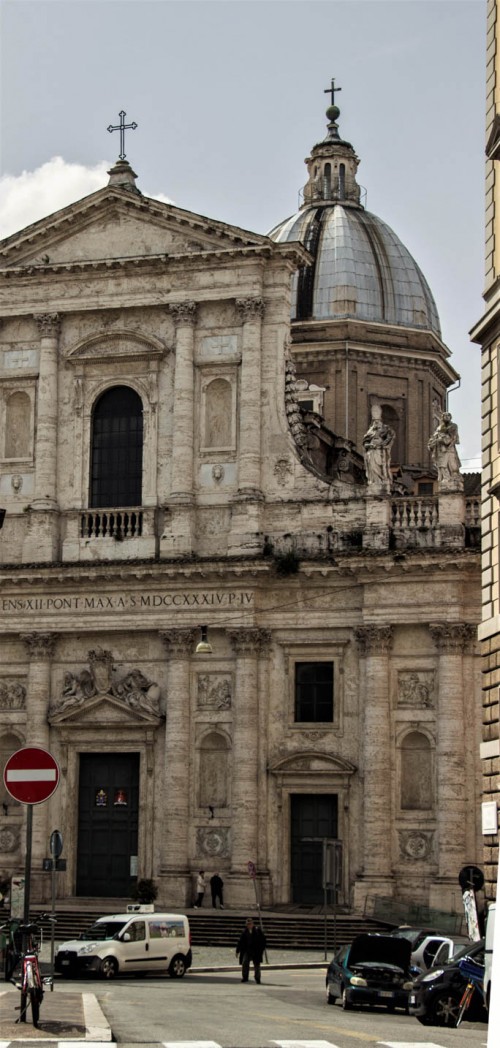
133,951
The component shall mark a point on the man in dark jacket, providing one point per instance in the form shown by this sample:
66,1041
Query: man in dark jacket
216,887
251,946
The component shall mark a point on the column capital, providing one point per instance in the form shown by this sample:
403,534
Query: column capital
453,638
48,324
183,312
250,308
40,646
178,642
250,640
374,640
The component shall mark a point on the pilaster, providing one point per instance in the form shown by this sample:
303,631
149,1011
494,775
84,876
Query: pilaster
375,644
179,539
42,530
40,648
178,645
246,510
452,640
247,644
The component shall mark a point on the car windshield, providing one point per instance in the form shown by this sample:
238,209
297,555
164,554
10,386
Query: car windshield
469,950
103,930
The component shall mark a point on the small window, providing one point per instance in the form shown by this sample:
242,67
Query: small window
314,691
425,487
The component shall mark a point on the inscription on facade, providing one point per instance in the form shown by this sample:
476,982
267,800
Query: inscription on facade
129,601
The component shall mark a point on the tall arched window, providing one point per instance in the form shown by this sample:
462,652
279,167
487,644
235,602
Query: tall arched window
116,464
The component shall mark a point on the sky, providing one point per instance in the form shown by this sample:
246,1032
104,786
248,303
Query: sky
228,97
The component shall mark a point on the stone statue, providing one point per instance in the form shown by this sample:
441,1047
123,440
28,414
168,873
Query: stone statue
442,446
377,444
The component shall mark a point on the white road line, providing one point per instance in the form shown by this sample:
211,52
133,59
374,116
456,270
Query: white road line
305,1044
190,1044
84,1044
409,1044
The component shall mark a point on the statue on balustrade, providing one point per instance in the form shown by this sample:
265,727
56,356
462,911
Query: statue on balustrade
377,444
443,448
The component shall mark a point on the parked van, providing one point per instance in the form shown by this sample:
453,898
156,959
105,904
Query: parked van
129,942
488,950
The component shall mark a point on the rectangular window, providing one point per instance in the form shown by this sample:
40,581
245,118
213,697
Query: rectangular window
314,692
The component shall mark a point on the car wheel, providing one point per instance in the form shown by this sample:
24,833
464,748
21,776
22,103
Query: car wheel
346,1004
424,1019
444,1011
330,999
177,967
109,968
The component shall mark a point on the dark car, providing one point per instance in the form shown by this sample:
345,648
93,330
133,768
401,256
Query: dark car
374,970
435,996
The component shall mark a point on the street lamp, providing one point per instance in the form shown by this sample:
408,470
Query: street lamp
203,647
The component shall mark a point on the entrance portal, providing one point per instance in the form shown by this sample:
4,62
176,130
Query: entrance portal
313,816
107,823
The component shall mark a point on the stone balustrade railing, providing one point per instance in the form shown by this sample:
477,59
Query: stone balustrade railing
415,512
119,524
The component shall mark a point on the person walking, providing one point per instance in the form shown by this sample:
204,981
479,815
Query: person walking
251,946
216,887
200,889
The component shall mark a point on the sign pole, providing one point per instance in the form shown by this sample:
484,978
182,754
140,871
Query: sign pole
27,863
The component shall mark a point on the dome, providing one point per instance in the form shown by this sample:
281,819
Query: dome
360,268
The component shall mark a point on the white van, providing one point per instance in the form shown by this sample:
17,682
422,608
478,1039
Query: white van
129,942
488,950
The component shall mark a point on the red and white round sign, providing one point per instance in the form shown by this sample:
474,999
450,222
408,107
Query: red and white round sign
31,775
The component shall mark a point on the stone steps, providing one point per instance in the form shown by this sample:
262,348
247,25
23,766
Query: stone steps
216,928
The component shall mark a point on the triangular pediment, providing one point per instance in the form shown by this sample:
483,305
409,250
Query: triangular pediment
104,710
115,224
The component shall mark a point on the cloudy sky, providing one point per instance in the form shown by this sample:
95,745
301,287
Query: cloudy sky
228,99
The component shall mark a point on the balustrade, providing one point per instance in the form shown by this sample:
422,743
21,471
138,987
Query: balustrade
118,524
414,513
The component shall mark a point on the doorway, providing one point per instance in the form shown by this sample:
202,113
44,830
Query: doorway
108,804
312,816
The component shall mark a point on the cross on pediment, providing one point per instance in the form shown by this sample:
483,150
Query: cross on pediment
122,127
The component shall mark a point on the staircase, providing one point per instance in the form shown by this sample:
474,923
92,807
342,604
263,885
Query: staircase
289,931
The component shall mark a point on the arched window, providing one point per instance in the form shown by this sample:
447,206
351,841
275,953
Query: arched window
416,772
392,418
342,181
116,464
17,426
327,181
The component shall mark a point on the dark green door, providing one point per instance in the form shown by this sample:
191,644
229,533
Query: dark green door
313,816
107,823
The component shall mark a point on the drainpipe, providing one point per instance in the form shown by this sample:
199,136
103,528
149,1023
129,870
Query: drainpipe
346,425
452,389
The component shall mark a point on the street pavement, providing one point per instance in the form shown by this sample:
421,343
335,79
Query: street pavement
211,1001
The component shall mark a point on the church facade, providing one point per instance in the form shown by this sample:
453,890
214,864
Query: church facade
210,432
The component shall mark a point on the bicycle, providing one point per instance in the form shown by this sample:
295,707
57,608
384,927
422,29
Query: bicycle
24,944
475,981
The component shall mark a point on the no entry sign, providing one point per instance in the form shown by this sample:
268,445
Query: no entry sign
31,775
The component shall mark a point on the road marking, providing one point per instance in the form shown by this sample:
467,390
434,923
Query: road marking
190,1044
305,1044
409,1044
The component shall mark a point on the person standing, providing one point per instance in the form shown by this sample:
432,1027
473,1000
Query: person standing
251,946
216,887
200,889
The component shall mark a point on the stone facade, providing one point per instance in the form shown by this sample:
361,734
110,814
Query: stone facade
344,675
487,334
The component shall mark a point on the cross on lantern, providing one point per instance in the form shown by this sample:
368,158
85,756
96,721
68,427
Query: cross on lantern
122,127
331,91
